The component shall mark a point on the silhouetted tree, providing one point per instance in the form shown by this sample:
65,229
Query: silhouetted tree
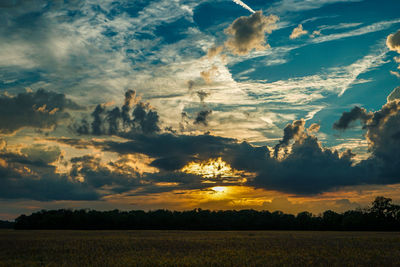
6,225
382,215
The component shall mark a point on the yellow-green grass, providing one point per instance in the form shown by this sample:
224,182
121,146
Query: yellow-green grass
198,248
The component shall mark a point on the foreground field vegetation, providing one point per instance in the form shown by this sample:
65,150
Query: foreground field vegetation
198,248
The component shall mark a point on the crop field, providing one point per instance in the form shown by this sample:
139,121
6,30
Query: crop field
198,248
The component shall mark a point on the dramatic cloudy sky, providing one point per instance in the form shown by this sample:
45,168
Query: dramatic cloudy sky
285,105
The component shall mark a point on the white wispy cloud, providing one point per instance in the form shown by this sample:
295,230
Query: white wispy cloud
75,57
339,26
395,73
304,90
379,26
302,5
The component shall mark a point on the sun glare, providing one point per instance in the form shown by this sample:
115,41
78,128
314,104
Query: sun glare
213,169
219,189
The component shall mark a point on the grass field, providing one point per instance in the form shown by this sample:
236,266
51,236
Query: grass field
198,248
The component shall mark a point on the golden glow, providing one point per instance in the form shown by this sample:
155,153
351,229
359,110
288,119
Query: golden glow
166,184
219,188
214,198
218,193
214,169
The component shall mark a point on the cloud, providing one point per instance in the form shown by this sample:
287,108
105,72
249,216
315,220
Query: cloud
315,33
298,164
175,151
146,118
115,71
130,100
297,32
208,74
314,128
134,116
383,138
393,41
190,84
68,45
41,154
202,95
308,89
347,118
29,174
305,167
397,60
395,73
112,177
293,130
40,109
202,117
395,94
375,27
214,51
248,33
302,5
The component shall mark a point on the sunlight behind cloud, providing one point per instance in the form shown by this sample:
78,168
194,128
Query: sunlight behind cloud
219,188
214,169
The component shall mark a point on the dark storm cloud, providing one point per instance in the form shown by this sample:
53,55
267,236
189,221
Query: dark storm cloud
118,178
307,169
98,120
298,164
146,118
202,117
347,118
383,137
202,95
29,175
130,99
113,118
49,187
291,131
166,145
135,116
172,152
40,109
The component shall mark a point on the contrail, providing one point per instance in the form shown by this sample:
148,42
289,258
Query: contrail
244,5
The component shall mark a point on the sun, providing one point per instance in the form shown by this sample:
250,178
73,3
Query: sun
214,169
219,189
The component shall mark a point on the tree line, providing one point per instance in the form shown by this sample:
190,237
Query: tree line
382,215
6,225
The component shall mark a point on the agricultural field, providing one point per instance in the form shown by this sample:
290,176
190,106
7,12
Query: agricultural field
198,248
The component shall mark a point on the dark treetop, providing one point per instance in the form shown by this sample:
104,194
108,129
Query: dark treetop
382,215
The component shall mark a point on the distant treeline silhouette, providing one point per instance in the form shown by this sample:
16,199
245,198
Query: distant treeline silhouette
6,225
382,215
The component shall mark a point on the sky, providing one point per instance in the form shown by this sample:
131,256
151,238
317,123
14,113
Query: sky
286,105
